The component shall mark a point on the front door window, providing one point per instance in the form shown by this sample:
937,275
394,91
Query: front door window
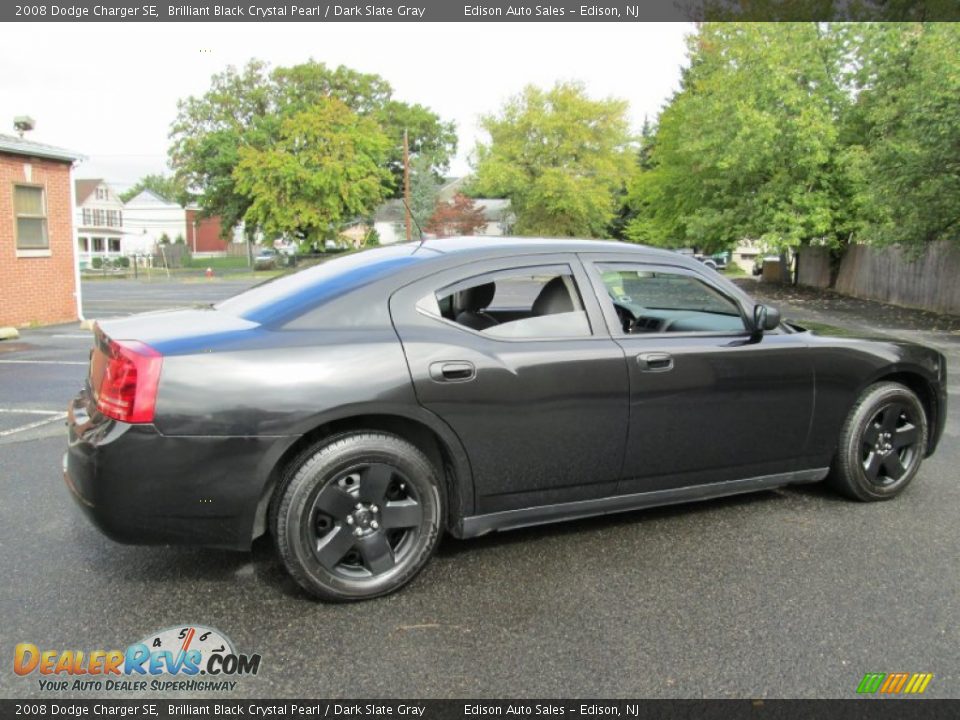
658,301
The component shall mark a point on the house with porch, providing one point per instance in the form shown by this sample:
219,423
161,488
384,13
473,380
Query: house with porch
99,221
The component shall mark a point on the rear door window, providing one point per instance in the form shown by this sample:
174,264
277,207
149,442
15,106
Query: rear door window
524,303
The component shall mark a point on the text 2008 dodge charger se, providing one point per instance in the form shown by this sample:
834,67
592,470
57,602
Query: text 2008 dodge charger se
359,409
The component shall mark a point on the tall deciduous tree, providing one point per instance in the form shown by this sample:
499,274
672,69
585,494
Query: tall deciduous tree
246,108
749,147
560,157
424,187
907,119
327,165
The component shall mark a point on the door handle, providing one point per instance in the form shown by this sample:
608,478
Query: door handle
655,361
453,371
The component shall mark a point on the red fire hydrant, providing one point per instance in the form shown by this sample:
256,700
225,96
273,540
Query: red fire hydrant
209,272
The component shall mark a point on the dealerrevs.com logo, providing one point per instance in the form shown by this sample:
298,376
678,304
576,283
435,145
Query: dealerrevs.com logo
182,658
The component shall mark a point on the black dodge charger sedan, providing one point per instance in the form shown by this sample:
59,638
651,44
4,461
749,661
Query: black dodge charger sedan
359,409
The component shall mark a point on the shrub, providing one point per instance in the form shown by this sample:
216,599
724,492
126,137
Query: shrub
96,263
164,239
124,261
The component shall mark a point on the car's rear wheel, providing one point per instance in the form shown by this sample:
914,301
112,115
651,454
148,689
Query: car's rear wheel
359,516
881,444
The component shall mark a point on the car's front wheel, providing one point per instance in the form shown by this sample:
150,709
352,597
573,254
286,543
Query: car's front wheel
881,444
359,516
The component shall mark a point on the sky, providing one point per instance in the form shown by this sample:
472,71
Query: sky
109,91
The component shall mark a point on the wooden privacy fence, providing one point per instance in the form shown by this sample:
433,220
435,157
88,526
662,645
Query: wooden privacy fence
237,249
173,255
930,281
813,267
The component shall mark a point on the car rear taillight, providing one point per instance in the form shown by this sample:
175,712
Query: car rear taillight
124,376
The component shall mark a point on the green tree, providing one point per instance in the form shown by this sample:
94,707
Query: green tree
423,190
627,212
906,130
372,238
431,140
166,186
246,108
749,147
326,166
560,157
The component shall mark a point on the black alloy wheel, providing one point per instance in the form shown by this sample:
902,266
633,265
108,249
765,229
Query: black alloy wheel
882,443
358,516
890,444
365,522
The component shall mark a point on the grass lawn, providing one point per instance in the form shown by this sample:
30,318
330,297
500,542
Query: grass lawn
259,275
218,263
734,270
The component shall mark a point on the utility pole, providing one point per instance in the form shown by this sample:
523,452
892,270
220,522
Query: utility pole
406,185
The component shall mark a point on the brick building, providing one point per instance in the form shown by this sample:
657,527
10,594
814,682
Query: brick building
38,269
204,234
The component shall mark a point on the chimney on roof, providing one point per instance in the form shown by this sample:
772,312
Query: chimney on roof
23,124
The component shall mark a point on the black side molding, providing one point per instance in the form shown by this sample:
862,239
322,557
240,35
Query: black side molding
525,517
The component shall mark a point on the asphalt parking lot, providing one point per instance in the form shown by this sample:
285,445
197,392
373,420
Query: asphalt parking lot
791,593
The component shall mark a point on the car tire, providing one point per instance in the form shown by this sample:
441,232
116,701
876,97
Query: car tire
882,444
358,516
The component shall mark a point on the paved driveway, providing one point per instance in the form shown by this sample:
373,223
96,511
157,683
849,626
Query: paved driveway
787,593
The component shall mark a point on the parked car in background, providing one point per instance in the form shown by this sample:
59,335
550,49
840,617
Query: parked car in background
265,259
717,261
362,408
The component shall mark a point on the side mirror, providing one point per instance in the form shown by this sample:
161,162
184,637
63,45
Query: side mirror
765,318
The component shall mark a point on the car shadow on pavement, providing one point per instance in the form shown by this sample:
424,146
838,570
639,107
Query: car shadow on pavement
158,565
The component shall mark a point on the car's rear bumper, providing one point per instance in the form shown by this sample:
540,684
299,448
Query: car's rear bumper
139,486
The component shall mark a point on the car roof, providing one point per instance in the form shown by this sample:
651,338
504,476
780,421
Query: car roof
377,272
476,244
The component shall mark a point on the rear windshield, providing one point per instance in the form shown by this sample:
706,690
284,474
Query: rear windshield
288,296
